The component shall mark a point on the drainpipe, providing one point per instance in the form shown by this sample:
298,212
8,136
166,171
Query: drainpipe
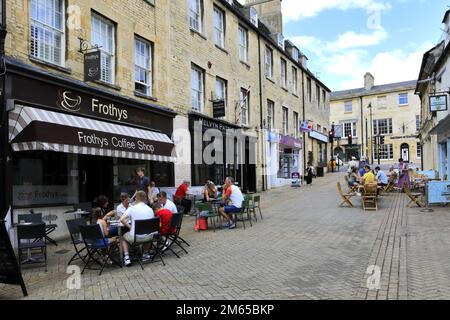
4,156
304,119
362,126
264,164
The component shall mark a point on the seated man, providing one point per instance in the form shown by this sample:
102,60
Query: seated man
381,177
233,196
165,203
125,199
139,211
180,196
165,215
368,177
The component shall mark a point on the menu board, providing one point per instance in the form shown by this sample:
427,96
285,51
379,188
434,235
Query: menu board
9,269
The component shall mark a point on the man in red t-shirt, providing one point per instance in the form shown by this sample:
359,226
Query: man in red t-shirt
165,216
180,197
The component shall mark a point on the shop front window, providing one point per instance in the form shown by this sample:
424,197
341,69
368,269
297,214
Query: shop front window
44,178
124,172
288,163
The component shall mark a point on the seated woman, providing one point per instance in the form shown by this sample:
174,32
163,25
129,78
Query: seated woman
97,218
210,191
392,175
353,177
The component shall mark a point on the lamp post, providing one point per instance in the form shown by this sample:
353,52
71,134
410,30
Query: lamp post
371,132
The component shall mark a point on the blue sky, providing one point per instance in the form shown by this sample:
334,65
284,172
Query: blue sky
343,39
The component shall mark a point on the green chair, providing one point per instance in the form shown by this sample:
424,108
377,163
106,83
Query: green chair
244,210
255,205
212,213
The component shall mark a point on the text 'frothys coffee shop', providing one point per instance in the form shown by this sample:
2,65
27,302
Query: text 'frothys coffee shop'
70,142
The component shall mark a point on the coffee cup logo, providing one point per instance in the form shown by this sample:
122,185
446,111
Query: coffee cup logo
93,72
69,101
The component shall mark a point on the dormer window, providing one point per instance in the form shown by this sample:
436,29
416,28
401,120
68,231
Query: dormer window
254,16
295,54
280,40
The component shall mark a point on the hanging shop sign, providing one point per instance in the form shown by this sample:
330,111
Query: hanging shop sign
219,108
92,66
438,103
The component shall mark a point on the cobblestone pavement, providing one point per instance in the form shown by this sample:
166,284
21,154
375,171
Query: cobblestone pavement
305,248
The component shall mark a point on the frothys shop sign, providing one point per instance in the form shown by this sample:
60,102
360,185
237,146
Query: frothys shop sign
72,101
115,142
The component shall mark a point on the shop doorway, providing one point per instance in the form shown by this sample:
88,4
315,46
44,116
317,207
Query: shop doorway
95,176
404,152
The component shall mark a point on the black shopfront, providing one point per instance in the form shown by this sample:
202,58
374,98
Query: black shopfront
71,142
214,160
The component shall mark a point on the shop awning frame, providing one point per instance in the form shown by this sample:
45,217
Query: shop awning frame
22,118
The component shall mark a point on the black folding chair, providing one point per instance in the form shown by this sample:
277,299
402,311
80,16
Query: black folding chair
74,231
25,235
95,243
174,237
37,218
146,227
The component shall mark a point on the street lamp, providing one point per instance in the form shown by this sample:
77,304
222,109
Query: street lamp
371,133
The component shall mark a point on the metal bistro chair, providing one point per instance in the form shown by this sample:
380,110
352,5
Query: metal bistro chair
37,218
174,237
74,231
95,241
145,227
244,210
212,213
35,232
255,204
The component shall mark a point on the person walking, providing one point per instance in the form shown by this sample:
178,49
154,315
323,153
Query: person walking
309,173
403,174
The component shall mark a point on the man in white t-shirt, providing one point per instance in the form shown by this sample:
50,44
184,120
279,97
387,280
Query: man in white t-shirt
139,211
166,203
233,198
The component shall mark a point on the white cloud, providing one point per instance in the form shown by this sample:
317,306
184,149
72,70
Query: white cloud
295,9
347,40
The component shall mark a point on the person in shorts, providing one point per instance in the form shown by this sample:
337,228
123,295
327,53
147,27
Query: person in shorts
139,211
233,202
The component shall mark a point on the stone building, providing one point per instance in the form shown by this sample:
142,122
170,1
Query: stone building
433,89
391,111
96,89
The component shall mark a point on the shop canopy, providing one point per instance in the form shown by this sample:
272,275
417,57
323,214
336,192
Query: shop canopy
38,129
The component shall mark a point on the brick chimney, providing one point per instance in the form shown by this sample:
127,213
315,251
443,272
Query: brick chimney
369,81
269,12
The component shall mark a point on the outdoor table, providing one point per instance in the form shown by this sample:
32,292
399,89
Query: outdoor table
78,213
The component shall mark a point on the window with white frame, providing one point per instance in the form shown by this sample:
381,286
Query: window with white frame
243,44
348,106
296,123
417,123
219,27
419,150
195,15
349,128
285,122
221,90
197,88
270,115
269,63
47,41
283,73
143,66
245,104
382,127
295,54
103,35
403,99
294,81
386,152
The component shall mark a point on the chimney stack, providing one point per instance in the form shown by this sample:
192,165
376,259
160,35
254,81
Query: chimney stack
369,81
269,12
